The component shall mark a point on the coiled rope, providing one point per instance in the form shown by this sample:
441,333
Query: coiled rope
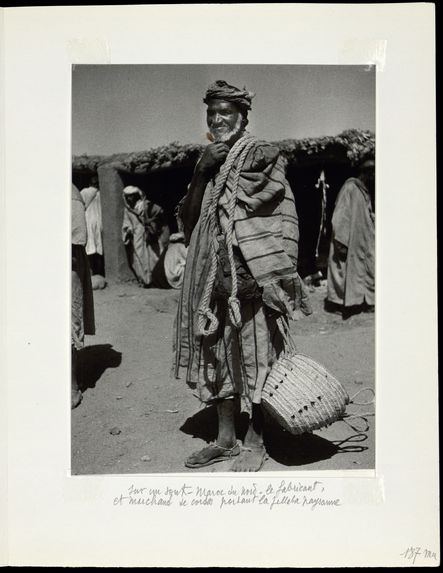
239,150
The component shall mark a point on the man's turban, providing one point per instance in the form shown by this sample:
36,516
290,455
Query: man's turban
131,190
222,90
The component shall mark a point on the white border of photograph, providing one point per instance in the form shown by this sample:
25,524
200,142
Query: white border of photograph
54,519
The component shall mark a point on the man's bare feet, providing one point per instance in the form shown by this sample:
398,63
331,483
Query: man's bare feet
251,459
253,452
212,454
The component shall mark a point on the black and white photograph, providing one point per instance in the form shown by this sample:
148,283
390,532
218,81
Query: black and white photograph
223,268
218,286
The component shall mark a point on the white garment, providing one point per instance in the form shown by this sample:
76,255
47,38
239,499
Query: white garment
91,197
174,264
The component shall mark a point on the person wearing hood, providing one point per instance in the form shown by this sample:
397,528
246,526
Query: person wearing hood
143,233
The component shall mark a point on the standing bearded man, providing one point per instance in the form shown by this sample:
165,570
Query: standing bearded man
241,225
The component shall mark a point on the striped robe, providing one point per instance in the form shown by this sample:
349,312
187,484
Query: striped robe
232,362
265,219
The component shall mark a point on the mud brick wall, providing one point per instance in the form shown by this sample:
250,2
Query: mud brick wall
111,188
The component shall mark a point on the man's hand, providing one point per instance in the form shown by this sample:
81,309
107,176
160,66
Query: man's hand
287,296
213,156
276,299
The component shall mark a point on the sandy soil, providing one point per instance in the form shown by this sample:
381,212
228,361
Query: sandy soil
136,418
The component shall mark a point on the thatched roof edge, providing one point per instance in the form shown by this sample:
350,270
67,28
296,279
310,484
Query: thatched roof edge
351,145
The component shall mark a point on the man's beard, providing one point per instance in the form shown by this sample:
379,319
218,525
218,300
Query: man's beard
228,136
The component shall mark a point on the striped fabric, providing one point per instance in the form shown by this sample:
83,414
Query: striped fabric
266,232
234,362
265,219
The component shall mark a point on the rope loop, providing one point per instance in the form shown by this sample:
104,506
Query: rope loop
353,426
234,311
370,390
205,315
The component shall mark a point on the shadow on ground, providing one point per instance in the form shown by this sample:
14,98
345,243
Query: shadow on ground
304,449
281,446
202,425
93,361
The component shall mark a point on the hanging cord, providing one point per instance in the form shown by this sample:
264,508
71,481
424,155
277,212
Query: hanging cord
360,415
352,399
355,427
321,184
239,150
233,302
289,343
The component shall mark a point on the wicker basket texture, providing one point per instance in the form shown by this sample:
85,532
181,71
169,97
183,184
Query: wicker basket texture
302,395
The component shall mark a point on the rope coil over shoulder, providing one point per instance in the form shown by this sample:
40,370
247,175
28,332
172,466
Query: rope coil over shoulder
238,151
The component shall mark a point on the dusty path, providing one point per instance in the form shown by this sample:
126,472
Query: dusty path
136,418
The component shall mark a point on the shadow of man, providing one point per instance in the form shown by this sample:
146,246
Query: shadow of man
282,446
93,361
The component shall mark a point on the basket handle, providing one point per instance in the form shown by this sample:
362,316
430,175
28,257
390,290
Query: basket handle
289,343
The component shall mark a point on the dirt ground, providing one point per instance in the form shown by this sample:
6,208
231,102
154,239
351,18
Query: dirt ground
136,418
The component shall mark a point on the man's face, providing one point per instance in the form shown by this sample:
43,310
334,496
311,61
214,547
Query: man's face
132,199
224,120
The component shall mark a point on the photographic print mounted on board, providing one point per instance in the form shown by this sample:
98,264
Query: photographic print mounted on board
223,257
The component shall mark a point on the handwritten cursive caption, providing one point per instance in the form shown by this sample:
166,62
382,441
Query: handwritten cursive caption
311,495
416,554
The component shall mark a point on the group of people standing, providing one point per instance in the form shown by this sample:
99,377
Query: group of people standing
156,256
239,246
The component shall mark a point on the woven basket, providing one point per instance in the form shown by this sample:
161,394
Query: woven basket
300,393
